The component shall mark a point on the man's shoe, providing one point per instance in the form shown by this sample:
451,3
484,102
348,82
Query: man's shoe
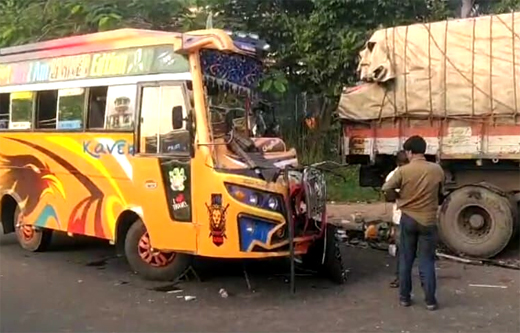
394,283
405,303
432,307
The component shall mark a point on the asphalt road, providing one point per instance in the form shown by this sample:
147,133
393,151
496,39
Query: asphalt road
79,286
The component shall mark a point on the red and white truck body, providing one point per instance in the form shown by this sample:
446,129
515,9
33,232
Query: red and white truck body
457,84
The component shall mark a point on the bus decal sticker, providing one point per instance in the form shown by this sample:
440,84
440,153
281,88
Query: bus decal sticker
176,180
217,219
179,202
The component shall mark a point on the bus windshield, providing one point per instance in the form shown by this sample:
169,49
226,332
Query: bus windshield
230,80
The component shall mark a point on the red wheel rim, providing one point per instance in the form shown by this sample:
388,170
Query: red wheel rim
153,257
27,232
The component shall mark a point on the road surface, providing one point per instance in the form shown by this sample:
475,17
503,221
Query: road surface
81,286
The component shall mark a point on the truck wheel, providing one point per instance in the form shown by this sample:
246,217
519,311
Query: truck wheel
31,238
476,222
152,264
332,265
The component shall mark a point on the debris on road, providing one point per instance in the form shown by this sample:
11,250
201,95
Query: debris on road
459,259
488,286
190,298
223,293
168,288
174,291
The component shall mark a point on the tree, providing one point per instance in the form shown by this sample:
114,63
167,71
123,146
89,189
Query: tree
24,21
467,6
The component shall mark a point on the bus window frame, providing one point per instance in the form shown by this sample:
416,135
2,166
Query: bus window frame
112,130
33,115
189,110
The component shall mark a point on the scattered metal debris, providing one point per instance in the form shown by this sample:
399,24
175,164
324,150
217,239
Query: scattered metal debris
459,259
168,288
174,291
488,286
511,264
186,275
247,280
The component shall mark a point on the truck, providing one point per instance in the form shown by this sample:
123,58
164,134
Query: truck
456,83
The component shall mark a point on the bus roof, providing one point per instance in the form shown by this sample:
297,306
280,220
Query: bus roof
96,42
130,38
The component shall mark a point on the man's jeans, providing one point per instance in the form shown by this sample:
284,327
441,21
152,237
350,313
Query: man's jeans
415,236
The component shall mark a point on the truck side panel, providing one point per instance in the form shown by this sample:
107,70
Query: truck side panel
447,139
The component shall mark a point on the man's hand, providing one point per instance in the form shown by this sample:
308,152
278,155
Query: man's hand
391,195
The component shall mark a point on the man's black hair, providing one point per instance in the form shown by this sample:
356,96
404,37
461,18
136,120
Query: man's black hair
416,144
401,158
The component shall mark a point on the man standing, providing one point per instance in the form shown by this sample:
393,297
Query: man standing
420,184
401,159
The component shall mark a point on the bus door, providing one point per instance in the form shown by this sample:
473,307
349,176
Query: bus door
165,138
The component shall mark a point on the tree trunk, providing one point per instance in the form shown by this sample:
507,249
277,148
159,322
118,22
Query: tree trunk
465,11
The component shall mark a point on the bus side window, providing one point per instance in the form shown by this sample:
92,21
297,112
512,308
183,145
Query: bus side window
121,107
150,101
71,108
4,111
46,108
22,107
171,139
97,106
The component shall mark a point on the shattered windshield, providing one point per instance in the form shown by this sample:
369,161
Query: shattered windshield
230,80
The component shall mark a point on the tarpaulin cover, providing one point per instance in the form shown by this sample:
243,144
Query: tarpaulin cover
455,68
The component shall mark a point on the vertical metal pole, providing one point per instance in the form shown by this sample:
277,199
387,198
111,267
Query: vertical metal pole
291,230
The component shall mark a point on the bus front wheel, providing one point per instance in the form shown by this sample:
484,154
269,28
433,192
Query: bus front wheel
29,237
150,263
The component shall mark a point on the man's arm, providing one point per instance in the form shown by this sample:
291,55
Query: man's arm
389,188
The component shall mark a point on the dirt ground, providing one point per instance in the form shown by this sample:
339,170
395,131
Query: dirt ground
373,211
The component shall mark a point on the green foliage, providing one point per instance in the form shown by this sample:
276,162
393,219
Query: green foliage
348,190
497,7
25,21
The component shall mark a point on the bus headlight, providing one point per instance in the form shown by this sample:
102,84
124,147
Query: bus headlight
272,203
256,198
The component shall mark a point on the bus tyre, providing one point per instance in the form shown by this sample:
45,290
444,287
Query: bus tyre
152,264
476,222
330,266
31,238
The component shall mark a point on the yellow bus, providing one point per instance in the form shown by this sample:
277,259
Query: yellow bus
142,138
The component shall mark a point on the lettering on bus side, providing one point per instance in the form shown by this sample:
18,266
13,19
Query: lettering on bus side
97,149
104,64
72,67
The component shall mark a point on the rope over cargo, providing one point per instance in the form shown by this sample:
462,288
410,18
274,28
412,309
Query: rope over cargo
465,68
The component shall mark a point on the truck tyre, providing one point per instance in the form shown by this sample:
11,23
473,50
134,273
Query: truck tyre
476,222
149,263
31,238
